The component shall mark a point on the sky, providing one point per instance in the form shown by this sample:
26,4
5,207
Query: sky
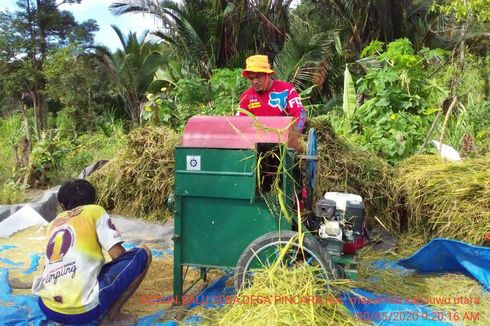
99,11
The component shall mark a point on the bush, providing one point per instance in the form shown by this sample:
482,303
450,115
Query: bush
404,91
11,132
11,193
54,158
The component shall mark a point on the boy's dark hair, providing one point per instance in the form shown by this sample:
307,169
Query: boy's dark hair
76,193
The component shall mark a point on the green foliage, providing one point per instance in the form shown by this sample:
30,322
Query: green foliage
56,157
191,92
79,83
394,135
468,124
11,132
133,67
11,193
48,158
226,86
66,122
479,116
160,110
307,56
97,146
205,35
349,98
466,10
27,37
195,96
469,130
404,90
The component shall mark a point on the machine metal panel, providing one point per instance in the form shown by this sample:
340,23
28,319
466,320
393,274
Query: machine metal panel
217,231
239,132
218,173
219,208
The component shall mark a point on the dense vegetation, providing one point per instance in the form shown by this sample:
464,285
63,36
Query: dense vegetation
389,75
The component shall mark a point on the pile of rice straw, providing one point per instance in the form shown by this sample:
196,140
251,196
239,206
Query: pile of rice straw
283,297
452,294
344,168
447,199
140,179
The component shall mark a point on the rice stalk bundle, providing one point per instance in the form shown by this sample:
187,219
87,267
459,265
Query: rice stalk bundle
283,296
447,199
140,179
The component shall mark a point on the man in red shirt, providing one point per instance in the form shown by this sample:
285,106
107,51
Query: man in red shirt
267,96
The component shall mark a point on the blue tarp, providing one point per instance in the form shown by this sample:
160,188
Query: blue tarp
17,309
438,256
450,256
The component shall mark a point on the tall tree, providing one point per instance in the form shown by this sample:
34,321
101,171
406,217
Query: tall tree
363,21
80,83
34,30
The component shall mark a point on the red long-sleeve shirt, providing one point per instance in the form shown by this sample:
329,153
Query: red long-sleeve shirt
280,100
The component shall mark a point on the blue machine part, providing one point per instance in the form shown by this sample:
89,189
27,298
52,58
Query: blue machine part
311,163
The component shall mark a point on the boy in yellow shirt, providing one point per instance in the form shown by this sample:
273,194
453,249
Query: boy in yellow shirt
76,286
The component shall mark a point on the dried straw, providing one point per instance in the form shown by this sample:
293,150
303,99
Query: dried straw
344,168
283,297
140,179
444,199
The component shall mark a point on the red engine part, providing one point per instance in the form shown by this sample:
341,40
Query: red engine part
352,246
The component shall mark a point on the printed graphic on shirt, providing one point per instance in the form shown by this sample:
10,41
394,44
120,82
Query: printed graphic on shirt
294,101
110,224
69,215
278,99
253,104
65,271
301,120
59,244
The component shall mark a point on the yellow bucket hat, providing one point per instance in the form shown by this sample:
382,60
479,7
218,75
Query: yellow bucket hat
257,63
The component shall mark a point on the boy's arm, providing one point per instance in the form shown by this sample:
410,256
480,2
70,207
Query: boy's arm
108,236
116,250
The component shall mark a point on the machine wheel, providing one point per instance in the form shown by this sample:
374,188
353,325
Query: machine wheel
264,251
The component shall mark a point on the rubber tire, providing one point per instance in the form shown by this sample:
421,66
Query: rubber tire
283,237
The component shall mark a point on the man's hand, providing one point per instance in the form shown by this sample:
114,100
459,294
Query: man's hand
116,250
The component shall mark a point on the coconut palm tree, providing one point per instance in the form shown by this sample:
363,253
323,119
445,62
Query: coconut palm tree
217,33
308,56
133,68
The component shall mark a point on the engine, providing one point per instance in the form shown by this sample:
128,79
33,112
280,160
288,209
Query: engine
339,220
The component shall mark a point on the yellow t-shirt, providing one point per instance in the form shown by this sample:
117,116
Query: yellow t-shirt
74,258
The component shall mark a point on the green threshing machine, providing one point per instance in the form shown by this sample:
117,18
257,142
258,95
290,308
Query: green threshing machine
238,188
